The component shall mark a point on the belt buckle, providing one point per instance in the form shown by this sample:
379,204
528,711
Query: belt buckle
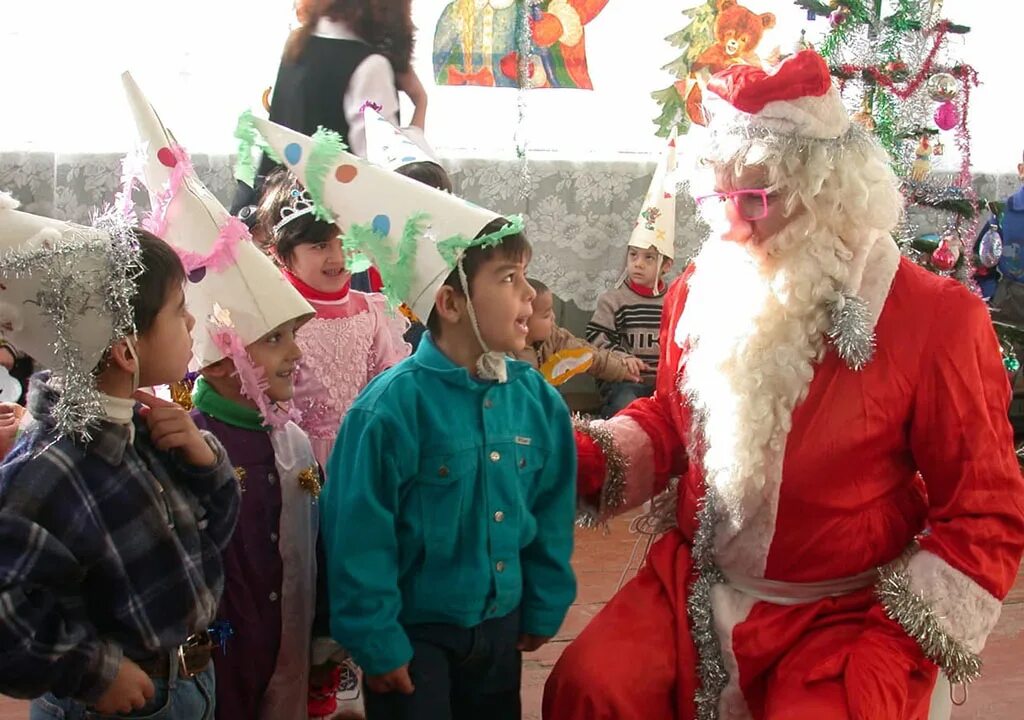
199,640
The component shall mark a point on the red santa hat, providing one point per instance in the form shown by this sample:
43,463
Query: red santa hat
796,98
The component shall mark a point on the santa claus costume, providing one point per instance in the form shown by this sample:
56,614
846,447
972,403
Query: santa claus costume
850,512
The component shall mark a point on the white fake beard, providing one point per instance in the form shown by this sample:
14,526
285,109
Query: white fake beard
753,328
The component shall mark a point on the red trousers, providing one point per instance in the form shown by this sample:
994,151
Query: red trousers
636,660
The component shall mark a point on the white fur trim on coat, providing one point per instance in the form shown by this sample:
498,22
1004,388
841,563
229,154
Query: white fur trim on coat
963,609
635,444
729,608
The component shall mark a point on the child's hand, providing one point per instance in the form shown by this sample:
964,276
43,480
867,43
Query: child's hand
635,366
394,681
10,420
529,643
172,428
131,690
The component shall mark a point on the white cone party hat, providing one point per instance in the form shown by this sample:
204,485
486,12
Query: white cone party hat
412,233
391,147
656,224
65,297
232,285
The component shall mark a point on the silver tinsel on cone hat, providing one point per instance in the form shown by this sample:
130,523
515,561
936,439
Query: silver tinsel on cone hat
65,298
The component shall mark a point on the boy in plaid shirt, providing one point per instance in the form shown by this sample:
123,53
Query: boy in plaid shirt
113,515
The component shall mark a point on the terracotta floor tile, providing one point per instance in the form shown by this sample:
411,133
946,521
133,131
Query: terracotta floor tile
599,561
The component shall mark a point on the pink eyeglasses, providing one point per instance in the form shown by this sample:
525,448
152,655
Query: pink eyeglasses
752,203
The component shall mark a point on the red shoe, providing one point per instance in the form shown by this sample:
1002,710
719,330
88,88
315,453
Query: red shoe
323,700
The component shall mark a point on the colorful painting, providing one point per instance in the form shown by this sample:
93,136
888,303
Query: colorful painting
720,33
476,43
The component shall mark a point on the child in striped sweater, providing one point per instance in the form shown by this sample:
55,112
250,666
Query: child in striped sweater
628,317
628,320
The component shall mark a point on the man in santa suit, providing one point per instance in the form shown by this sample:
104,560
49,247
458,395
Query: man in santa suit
850,512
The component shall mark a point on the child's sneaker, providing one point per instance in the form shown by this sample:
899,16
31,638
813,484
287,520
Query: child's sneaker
349,697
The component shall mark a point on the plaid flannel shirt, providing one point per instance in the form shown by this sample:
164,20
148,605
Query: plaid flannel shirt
107,550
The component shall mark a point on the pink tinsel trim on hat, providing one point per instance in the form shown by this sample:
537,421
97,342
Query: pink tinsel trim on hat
371,104
156,220
224,251
253,379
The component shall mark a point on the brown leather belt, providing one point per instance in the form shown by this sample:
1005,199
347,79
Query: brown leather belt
192,657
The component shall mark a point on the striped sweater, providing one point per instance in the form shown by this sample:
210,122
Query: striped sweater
628,321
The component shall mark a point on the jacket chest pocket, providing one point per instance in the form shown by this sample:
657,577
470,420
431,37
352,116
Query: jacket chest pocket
442,487
529,461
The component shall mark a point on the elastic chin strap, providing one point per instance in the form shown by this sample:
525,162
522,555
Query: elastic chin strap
490,365
135,356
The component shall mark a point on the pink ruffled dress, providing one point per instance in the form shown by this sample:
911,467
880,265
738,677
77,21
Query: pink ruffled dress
352,339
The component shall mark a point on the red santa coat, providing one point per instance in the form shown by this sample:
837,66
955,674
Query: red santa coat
915,445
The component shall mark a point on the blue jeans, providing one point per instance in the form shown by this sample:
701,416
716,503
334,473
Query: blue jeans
459,674
176,698
617,395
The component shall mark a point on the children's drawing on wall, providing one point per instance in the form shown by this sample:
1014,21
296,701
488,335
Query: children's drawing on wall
476,43
720,33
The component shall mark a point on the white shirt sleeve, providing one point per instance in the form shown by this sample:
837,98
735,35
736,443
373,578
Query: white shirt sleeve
373,80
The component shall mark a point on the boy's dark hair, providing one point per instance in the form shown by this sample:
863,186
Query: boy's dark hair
428,173
512,247
537,285
306,230
161,271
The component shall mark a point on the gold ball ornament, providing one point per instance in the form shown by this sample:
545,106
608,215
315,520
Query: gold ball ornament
942,87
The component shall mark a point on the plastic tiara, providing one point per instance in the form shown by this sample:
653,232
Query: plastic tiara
301,204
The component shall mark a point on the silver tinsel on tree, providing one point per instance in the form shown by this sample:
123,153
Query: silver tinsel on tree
900,79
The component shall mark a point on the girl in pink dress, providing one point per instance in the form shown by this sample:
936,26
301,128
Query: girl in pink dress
353,338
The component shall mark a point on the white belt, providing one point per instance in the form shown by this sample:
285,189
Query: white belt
780,592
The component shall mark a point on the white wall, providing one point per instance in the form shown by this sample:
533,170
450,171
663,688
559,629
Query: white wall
203,61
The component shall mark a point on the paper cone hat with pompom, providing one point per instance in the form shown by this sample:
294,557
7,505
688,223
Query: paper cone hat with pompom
391,147
231,284
412,233
656,224
65,298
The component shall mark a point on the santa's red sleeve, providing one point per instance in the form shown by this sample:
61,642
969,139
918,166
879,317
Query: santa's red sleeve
947,591
627,460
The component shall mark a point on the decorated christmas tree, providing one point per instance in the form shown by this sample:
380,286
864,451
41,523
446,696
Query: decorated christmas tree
897,72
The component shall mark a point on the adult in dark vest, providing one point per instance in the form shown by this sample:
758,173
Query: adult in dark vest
345,53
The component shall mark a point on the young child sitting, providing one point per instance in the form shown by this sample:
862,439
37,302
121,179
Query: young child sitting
247,353
546,340
628,317
113,515
448,511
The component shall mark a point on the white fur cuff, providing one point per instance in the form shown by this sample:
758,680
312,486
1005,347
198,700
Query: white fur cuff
946,612
963,609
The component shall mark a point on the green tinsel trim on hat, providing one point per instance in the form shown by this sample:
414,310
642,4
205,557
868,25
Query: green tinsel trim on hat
396,266
323,158
249,138
358,263
452,248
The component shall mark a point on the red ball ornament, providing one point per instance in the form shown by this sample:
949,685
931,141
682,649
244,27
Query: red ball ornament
838,17
946,116
944,258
